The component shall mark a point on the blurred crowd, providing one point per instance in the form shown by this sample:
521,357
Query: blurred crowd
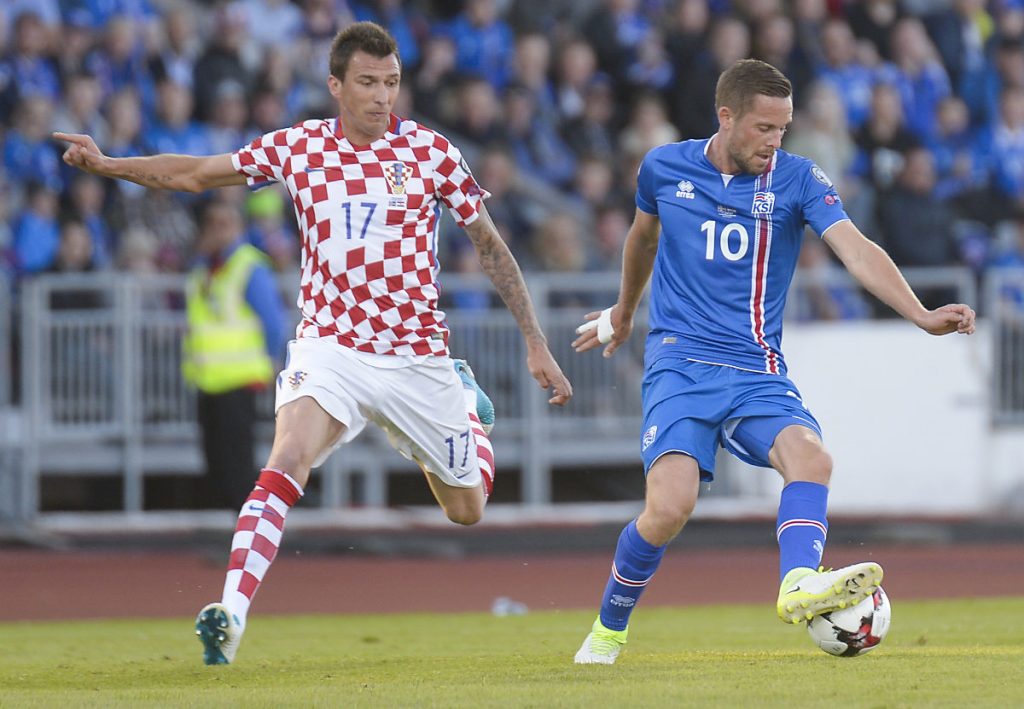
914,108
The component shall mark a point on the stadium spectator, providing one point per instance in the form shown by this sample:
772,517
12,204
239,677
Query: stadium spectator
223,60
820,133
648,126
268,229
508,206
611,222
27,150
531,66
272,23
686,36
79,112
539,150
960,163
119,63
174,131
29,62
916,227
175,58
883,139
36,231
918,75
874,21
842,68
593,131
431,85
576,72
477,114
86,207
229,117
1006,147
809,19
652,66
484,43
404,23
694,111
622,28
961,34
826,290
774,41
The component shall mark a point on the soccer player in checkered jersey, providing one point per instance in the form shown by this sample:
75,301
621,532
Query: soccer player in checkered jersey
717,230
372,345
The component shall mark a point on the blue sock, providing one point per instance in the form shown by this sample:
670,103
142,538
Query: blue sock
801,526
635,562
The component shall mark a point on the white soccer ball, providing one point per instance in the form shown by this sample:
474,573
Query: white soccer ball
855,630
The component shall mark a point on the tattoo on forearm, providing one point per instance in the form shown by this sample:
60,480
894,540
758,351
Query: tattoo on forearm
501,267
148,179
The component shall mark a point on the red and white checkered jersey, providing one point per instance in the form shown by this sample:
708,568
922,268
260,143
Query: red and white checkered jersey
368,215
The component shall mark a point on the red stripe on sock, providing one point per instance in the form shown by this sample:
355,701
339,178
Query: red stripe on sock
248,585
237,559
263,546
275,482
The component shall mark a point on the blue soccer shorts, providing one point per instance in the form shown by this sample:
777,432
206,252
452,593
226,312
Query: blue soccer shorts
692,408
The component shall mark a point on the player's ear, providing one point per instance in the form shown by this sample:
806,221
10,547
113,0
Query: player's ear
334,85
725,116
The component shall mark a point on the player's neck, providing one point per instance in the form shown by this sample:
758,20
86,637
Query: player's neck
720,158
355,136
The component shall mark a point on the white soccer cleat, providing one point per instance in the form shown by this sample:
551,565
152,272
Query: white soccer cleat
220,633
805,593
601,646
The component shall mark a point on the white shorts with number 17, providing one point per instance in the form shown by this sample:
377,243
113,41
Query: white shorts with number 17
419,402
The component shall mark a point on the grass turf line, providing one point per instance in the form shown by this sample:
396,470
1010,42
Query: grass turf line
938,654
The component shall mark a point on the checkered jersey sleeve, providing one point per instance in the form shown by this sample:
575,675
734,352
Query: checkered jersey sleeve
262,160
455,184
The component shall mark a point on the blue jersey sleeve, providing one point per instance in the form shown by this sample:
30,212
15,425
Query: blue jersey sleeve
262,296
646,193
821,204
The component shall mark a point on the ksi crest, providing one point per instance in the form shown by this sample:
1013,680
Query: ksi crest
764,203
397,175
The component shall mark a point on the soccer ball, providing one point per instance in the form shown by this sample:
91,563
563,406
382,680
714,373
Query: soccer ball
855,630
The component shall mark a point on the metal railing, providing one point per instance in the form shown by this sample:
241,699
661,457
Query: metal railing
1004,303
102,392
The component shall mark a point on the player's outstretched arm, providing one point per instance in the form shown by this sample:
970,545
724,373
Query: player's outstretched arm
873,269
614,325
186,173
500,266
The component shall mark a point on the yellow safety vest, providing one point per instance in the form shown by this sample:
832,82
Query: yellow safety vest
225,347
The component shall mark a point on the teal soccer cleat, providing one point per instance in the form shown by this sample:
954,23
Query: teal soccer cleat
219,632
484,407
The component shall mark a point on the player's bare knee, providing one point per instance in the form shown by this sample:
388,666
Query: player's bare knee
661,521
465,515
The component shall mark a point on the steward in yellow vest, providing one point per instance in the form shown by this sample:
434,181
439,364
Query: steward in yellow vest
236,324
225,347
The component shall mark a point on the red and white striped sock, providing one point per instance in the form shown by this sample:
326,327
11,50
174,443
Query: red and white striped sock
257,537
484,452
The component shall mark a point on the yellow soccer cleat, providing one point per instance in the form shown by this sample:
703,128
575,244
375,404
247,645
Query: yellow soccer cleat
806,593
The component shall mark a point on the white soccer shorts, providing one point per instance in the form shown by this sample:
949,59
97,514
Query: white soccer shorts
418,401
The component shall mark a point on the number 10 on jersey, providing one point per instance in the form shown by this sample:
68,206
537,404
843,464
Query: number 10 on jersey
731,233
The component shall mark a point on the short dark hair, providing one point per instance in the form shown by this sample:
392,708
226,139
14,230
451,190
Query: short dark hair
747,78
366,37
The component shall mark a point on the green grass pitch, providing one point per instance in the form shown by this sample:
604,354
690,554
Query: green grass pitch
965,653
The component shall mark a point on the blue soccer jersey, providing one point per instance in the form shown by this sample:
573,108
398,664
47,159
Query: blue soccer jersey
727,252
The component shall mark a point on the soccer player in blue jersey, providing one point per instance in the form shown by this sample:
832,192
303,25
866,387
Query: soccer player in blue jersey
717,230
